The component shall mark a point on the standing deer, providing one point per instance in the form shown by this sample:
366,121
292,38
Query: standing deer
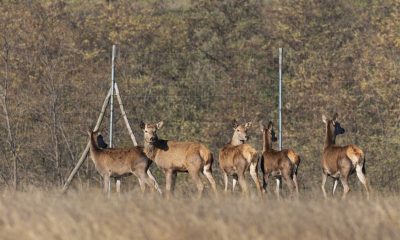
278,164
338,162
173,156
117,163
102,144
237,156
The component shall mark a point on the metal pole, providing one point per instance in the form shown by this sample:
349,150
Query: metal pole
280,98
112,96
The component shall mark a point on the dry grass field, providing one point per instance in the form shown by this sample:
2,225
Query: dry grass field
36,214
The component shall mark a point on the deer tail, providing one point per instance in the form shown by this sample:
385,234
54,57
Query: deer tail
261,162
207,156
364,170
211,157
355,154
296,166
293,157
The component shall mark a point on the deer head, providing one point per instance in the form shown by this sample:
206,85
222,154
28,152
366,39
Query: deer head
333,128
268,131
150,131
240,132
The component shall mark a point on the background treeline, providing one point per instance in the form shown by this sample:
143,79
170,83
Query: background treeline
196,65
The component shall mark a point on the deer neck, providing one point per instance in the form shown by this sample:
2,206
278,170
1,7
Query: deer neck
94,149
329,137
267,143
235,140
150,150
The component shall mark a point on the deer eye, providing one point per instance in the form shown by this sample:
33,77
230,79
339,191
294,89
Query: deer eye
145,131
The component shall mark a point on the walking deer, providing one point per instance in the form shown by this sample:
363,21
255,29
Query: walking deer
278,164
339,162
237,156
118,163
173,156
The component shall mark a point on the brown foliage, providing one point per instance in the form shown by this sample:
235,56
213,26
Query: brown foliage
198,65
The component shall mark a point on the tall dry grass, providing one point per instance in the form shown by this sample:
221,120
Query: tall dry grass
89,215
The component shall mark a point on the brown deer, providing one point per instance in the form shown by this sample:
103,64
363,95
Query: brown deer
278,164
339,162
173,156
237,156
113,162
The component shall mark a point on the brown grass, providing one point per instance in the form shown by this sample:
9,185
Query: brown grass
89,215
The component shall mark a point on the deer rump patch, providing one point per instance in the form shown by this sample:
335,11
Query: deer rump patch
354,154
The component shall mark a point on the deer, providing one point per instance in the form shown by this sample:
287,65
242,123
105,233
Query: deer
175,156
236,157
117,163
102,145
339,162
279,164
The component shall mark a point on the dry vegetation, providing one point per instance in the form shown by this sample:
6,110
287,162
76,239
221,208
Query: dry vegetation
46,215
187,62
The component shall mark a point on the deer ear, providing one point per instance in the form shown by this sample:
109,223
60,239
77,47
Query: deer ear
247,125
142,125
262,127
234,124
324,118
335,117
270,125
160,124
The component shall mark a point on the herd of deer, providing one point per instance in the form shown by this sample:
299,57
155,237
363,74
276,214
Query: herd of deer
235,158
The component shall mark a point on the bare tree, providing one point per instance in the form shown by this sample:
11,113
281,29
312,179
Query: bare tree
4,102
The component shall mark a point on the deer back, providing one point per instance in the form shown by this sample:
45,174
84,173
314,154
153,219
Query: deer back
182,155
334,154
120,161
230,155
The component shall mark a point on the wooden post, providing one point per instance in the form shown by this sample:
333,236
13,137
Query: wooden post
85,152
124,115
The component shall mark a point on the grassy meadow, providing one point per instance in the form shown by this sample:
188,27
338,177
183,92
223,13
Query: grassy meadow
37,214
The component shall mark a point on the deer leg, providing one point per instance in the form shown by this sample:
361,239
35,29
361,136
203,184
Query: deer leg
209,176
196,179
254,175
225,181
345,183
277,190
362,178
324,177
141,182
156,186
168,182
145,179
174,176
118,186
242,183
296,185
106,185
334,186
289,182
142,185
234,182
265,181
